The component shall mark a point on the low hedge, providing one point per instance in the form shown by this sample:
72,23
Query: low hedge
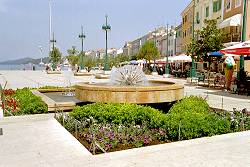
190,104
187,119
191,118
28,103
124,114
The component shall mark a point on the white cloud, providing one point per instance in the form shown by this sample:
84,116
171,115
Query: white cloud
3,6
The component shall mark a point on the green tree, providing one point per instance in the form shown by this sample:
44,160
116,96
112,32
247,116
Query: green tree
148,51
208,39
122,58
73,57
73,51
55,57
89,62
118,60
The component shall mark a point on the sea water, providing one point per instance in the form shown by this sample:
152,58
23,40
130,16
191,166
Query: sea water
24,67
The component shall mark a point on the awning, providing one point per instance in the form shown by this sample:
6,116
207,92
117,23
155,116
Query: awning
231,21
215,54
239,49
134,62
164,60
182,58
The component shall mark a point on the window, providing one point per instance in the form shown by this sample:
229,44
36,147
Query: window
180,34
217,6
207,11
237,3
228,4
197,18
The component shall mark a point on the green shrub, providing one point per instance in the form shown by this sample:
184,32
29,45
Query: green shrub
187,119
28,103
191,104
187,125
125,114
190,118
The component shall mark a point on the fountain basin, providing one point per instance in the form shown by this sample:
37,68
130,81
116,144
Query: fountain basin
154,92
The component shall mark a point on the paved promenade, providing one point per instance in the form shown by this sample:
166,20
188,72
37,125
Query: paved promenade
40,141
33,79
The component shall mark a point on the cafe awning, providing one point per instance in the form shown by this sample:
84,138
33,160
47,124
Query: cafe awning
238,49
182,58
231,21
215,54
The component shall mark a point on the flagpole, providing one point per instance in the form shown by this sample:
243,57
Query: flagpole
50,24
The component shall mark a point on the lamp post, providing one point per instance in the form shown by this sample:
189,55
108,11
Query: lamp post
41,50
50,24
53,41
193,70
106,27
167,66
155,42
243,33
82,37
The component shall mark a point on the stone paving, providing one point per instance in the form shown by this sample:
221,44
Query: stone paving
40,141
215,98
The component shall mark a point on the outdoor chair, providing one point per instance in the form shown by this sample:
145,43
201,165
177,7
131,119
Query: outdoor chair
201,78
210,79
206,79
222,81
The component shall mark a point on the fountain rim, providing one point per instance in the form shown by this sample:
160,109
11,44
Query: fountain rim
168,86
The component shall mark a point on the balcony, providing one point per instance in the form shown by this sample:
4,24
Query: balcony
232,37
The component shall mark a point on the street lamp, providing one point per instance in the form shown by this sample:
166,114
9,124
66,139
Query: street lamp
82,37
50,23
243,33
167,66
155,41
41,52
53,41
106,27
193,70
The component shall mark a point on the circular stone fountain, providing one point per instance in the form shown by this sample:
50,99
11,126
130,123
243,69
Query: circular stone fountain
128,84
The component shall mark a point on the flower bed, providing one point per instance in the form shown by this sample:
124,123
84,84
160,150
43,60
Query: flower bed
22,102
112,127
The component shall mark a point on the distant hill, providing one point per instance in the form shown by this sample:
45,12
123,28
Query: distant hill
25,61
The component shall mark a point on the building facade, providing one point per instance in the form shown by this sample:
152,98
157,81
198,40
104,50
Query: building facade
167,43
178,41
187,25
232,20
207,9
132,48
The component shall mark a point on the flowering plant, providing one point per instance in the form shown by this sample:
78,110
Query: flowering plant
9,103
112,136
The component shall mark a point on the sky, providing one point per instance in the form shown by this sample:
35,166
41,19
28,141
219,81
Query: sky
24,24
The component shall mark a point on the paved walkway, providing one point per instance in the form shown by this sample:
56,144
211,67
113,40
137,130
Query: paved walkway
215,98
40,141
